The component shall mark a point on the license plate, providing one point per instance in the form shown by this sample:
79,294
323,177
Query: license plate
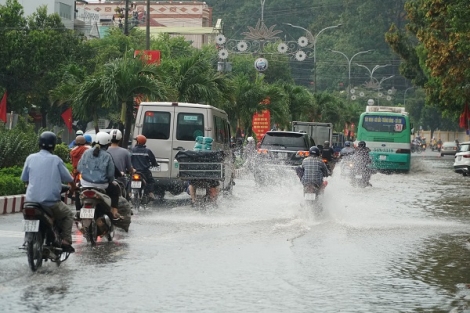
310,196
347,170
358,176
156,169
200,192
136,184
87,213
382,157
282,155
30,226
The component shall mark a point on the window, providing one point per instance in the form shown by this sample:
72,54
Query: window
65,11
390,124
190,125
219,130
156,125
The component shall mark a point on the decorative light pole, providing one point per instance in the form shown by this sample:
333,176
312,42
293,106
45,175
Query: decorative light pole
314,48
371,72
404,96
349,67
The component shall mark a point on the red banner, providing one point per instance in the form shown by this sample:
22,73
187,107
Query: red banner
261,123
150,56
3,108
67,117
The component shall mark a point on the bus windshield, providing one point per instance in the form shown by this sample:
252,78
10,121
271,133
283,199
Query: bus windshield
388,124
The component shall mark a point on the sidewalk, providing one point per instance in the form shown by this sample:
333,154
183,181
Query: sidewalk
13,204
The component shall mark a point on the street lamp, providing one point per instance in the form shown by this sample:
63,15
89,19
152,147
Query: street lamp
349,66
314,47
371,73
380,83
404,96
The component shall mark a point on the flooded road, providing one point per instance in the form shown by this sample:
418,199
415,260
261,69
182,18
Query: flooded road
400,246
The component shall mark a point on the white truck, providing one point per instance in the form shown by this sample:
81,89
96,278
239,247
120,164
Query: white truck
320,132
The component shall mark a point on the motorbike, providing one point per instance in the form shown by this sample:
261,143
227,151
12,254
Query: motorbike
312,194
346,165
139,198
95,215
42,239
360,174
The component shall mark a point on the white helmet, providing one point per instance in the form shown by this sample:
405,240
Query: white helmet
115,134
103,138
250,139
79,133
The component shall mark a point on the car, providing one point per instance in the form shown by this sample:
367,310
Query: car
462,159
449,148
280,150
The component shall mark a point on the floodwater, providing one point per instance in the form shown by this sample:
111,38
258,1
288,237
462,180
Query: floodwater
400,246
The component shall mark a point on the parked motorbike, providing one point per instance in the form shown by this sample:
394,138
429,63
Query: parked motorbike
95,215
139,198
42,239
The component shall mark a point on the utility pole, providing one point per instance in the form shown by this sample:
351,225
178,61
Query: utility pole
147,20
126,19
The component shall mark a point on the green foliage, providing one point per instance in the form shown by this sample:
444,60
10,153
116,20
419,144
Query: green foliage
63,152
17,144
11,185
12,171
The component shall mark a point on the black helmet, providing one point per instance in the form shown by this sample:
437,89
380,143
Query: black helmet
314,151
47,140
326,144
361,144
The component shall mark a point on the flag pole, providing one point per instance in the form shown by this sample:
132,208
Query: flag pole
11,120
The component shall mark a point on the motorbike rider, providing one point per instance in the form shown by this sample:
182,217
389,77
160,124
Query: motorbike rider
249,152
44,173
75,156
347,150
77,133
313,170
98,170
142,159
362,161
329,154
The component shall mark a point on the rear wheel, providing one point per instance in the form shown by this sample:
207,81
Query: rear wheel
91,235
34,251
136,199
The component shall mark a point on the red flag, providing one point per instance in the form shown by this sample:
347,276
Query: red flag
463,120
67,117
3,108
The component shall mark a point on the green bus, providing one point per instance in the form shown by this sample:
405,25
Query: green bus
387,133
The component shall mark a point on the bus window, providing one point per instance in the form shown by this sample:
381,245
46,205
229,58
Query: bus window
389,124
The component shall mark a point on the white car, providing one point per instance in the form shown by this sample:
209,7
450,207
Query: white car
462,159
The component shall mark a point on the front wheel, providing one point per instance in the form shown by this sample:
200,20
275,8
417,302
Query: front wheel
34,250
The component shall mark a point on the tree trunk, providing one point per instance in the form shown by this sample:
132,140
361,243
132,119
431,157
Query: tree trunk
95,122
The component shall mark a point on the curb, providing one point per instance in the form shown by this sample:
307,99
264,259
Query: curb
13,204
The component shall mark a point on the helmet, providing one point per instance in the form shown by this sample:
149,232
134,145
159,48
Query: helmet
88,138
314,151
347,144
47,140
116,134
141,139
103,138
361,144
250,139
79,132
326,144
80,140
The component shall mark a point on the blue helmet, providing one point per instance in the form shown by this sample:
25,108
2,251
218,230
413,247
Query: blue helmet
314,151
88,138
347,144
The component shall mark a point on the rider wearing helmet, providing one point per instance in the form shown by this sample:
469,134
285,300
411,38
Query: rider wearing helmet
328,152
75,156
44,173
78,133
362,160
98,170
121,156
347,150
88,139
313,169
249,152
142,159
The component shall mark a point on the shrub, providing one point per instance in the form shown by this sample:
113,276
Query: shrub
11,185
16,144
63,152
12,171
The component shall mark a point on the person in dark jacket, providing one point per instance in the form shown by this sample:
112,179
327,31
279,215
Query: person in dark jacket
142,159
362,161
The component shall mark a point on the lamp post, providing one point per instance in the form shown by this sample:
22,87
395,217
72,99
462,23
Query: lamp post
380,83
314,48
404,96
349,67
371,72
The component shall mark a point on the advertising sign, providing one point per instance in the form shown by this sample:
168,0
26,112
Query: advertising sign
150,56
261,123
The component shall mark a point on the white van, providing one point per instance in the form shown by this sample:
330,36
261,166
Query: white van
173,126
